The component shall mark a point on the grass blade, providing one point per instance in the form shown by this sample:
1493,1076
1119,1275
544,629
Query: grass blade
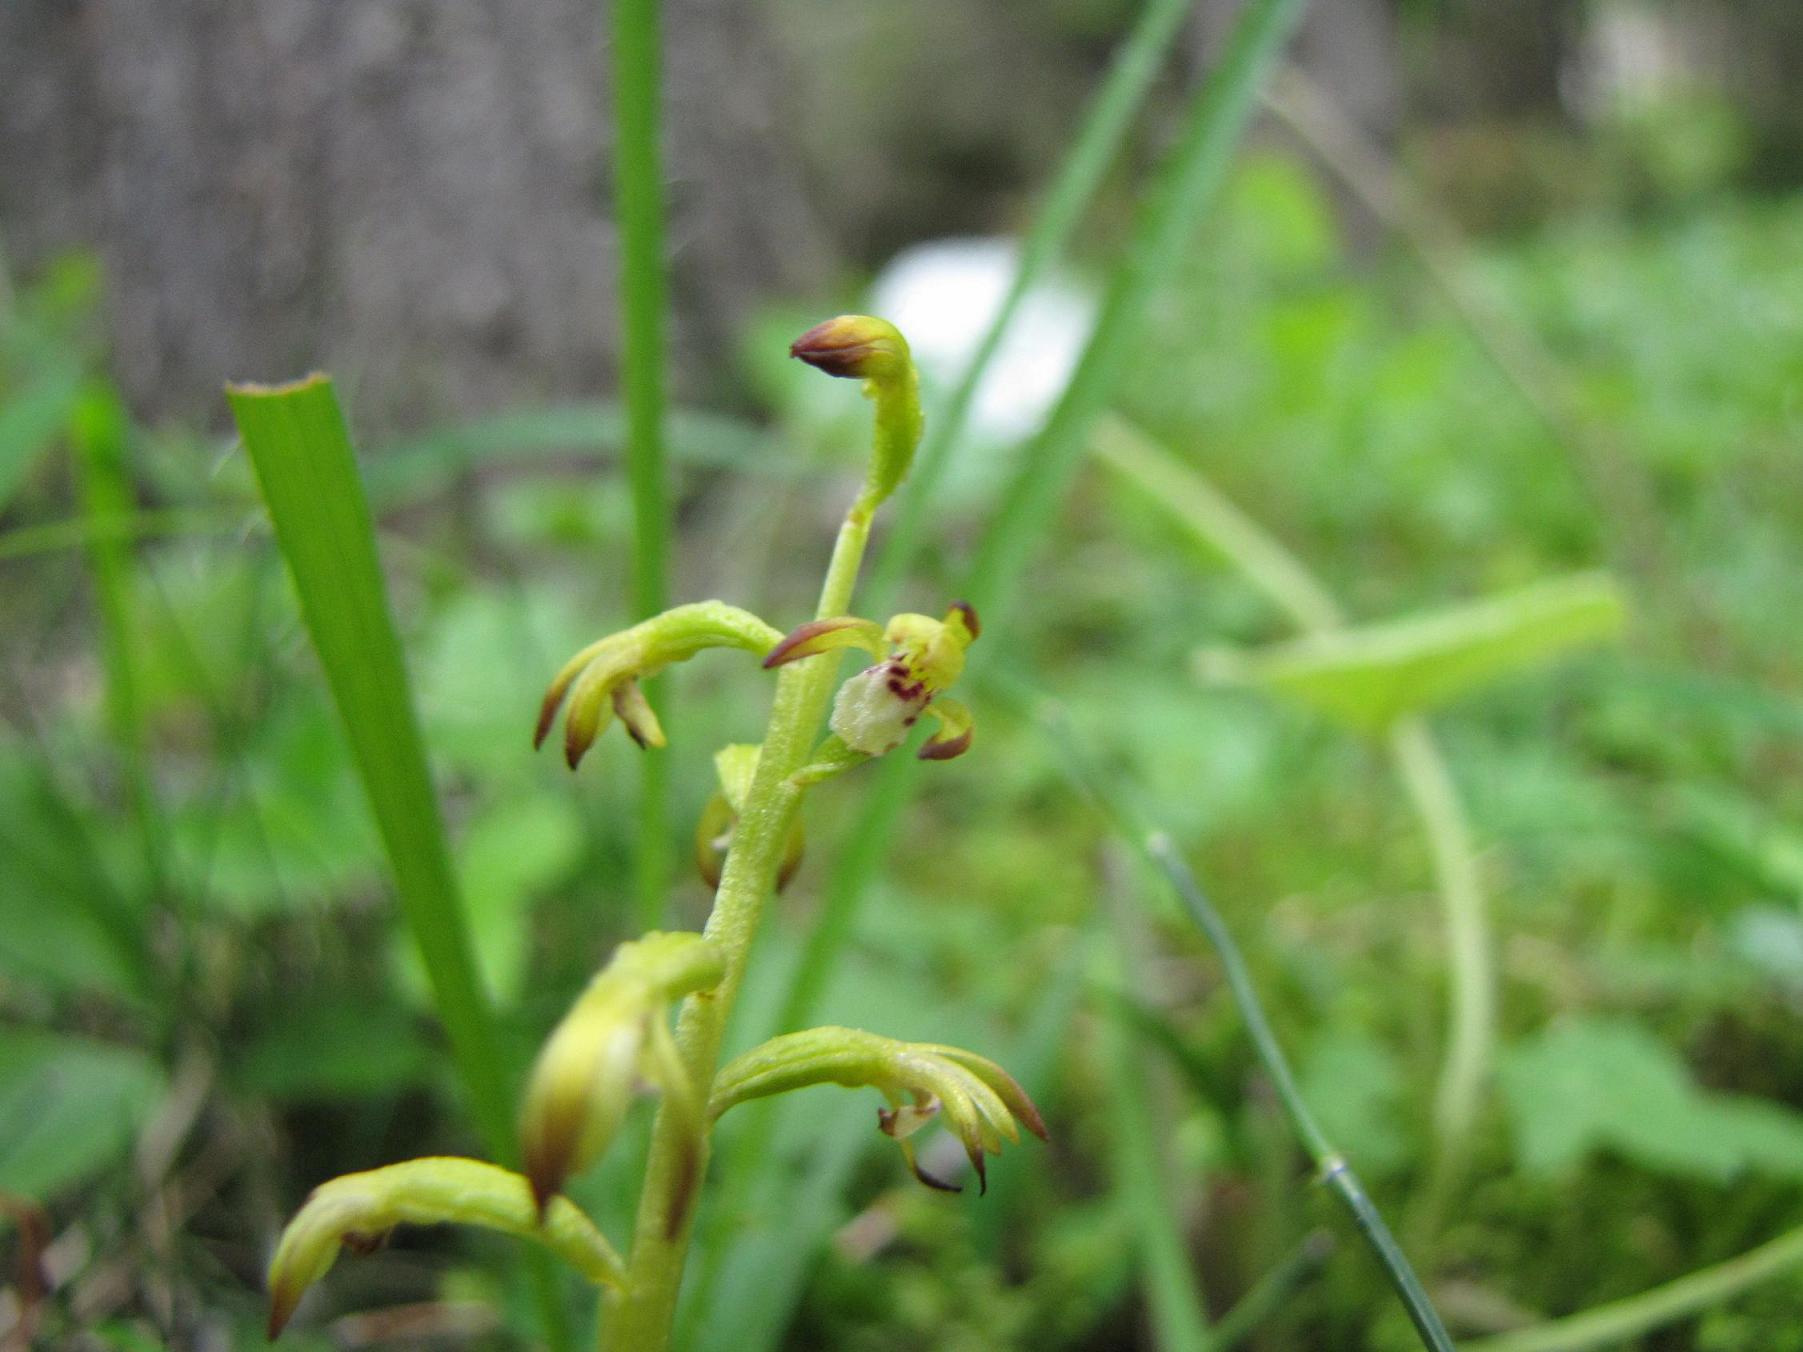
1612,1325
639,212
1333,1169
301,451
1104,125
1178,1319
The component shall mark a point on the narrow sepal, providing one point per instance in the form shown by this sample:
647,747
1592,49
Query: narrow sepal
357,1212
975,1098
830,635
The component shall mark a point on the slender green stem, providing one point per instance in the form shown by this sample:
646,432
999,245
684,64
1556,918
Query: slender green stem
1614,1324
1472,1014
1269,1293
1264,561
1178,1317
639,212
1332,1168
639,1320
1104,126
99,431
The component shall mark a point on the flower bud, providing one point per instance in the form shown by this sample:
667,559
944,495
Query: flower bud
602,679
615,1035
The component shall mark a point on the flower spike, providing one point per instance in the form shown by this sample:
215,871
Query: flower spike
602,680
357,1211
980,1101
614,1035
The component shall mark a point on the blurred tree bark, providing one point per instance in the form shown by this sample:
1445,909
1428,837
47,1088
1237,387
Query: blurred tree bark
412,191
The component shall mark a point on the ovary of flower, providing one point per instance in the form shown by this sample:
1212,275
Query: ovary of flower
920,658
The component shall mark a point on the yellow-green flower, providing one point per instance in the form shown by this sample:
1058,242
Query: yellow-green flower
920,658
602,680
980,1102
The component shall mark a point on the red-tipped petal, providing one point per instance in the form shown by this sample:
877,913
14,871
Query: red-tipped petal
821,636
636,713
969,612
936,749
856,347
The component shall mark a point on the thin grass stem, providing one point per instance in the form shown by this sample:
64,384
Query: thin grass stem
1332,1168
639,213
1286,581
1618,1322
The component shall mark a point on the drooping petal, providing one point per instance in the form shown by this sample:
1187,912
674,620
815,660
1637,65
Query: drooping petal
955,730
357,1210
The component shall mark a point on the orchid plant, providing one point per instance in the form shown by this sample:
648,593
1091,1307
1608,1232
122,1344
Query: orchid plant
618,1037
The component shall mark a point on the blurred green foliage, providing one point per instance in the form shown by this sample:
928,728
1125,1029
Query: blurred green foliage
247,1008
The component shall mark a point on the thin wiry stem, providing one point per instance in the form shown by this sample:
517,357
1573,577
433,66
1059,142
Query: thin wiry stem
1263,561
639,212
1332,1168
1612,1325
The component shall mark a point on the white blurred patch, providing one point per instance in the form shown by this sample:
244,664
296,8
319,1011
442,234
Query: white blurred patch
943,295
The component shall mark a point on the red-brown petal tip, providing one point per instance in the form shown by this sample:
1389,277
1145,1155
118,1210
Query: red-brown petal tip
969,612
949,749
281,1309
838,347
547,715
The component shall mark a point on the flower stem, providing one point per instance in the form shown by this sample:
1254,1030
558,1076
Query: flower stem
639,1318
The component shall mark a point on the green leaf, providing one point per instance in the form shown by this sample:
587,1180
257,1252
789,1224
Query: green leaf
64,925
301,450
1369,677
337,1047
1605,1084
69,1108
31,419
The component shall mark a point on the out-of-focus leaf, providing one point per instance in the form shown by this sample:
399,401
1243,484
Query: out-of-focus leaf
63,924
507,858
1605,1084
1354,1084
1370,676
69,1107
341,1046
292,831
31,418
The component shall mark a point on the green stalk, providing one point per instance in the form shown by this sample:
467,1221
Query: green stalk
1263,561
1104,126
639,211
99,429
639,1319
1179,1321
301,451
1332,1168
1270,1291
1615,1324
